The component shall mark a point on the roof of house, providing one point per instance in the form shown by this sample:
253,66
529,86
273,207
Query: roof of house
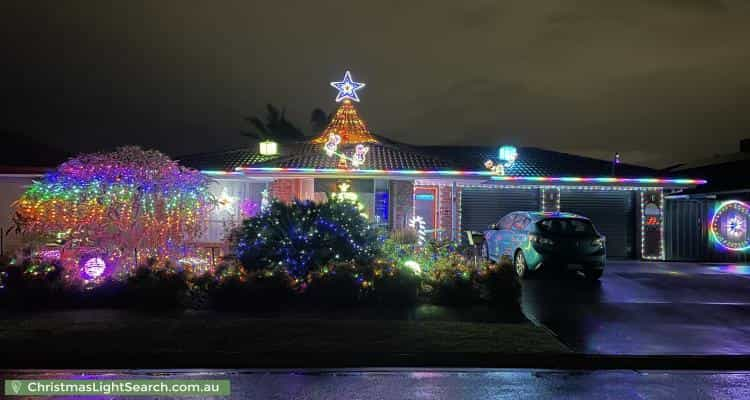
728,173
25,155
224,160
533,161
390,155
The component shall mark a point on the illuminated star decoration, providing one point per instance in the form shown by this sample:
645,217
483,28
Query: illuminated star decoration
347,88
225,200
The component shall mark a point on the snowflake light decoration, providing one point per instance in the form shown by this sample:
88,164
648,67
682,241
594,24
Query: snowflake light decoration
736,226
225,200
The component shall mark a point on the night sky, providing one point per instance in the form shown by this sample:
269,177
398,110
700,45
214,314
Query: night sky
659,81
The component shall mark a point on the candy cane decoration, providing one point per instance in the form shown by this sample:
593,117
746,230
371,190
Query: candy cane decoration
418,224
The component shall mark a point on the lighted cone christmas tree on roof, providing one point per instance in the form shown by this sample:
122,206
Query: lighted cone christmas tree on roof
346,123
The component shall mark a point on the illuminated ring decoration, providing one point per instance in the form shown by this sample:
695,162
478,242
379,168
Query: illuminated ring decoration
729,225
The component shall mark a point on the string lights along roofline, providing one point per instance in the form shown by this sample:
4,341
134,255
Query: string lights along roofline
464,173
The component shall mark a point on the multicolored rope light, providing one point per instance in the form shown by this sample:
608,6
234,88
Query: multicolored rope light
604,180
491,175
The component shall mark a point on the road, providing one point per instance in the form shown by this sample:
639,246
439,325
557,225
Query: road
447,384
642,308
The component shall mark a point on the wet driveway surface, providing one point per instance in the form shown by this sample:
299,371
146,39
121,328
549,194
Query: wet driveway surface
449,384
647,308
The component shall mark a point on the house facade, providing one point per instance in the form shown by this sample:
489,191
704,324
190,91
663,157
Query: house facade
444,191
710,222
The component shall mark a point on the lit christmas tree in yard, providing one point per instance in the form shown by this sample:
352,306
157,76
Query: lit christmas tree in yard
110,208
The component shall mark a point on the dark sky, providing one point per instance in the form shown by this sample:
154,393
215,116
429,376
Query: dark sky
657,80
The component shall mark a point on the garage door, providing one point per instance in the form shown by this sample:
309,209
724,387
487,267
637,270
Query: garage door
481,207
612,212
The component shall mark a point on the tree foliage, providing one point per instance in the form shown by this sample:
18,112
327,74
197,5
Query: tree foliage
304,236
129,198
273,126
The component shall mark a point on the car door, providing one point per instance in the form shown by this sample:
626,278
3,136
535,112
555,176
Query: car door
519,235
506,235
495,238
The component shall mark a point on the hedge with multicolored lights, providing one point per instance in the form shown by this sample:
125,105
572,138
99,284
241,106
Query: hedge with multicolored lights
304,236
127,199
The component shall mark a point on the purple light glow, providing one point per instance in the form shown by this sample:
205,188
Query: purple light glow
249,208
92,267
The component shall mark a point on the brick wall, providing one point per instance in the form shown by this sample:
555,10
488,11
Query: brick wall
445,211
288,190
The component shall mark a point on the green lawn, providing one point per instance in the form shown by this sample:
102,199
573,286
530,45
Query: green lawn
177,339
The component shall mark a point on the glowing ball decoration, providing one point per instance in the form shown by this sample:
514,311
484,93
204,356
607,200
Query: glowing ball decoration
93,267
729,225
413,266
507,155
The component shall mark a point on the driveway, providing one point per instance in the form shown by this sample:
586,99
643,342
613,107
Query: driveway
643,308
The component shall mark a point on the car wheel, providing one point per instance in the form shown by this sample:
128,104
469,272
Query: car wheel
519,262
485,252
593,275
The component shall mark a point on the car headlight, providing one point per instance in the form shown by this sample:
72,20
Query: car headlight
598,242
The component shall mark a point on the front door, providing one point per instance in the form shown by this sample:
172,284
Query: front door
425,207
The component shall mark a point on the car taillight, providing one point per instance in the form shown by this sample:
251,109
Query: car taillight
541,240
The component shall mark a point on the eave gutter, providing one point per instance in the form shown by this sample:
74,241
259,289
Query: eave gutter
481,177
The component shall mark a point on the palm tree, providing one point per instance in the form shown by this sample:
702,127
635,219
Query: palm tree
319,120
275,127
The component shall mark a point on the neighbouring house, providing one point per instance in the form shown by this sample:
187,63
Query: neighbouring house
24,160
444,190
710,222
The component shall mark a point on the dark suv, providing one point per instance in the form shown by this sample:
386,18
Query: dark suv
533,239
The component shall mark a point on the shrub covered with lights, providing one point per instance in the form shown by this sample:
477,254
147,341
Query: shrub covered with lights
305,236
445,276
152,288
232,288
117,207
31,283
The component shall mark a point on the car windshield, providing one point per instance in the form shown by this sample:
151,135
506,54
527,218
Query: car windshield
567,226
